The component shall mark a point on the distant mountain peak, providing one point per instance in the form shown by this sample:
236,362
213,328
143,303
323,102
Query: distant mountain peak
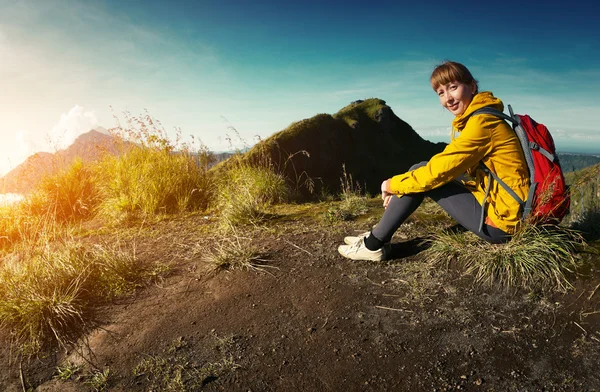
88,146
365,137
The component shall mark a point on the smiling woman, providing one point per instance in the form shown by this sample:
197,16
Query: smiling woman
455,178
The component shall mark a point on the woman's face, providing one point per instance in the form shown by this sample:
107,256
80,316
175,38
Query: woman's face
456,96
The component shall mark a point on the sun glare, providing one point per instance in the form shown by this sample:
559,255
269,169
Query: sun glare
8,199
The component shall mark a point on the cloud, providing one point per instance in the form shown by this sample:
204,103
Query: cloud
78,121
27,144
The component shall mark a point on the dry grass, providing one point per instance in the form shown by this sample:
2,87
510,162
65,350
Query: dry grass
353,203
537,256
246,191
152,175
234,252
47,294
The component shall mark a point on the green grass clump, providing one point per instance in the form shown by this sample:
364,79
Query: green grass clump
146,181
350,207
68,195
68,371
537,256
181,371
245,191
234,252
99,380
151,175
46,294
353,204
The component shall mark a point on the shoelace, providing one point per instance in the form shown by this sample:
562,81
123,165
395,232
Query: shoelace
356,246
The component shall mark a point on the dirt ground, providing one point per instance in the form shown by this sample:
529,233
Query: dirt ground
314,321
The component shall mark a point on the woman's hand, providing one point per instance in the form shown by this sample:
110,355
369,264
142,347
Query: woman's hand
387,199
385,189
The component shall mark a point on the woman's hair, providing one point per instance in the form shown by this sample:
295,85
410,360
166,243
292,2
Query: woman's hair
451,71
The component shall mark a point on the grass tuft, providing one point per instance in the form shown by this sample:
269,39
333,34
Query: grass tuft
233,252
245,191
537,256
70,194
147,181
353,204
68,371
183,371
46,294
152,175
99,380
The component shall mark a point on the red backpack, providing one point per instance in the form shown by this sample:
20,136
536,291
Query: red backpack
548,200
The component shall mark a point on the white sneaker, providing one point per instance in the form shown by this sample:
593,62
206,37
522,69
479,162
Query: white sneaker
349,240
358,251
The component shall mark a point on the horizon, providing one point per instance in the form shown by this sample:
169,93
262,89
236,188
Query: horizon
70,66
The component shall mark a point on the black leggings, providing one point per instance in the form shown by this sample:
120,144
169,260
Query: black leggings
453,197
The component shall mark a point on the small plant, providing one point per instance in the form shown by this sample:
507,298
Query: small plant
536,256
162,374
245,191
234,252
353,203
99,380
67,371
183,372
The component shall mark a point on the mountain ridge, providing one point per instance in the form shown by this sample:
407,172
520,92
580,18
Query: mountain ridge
365,138
88,146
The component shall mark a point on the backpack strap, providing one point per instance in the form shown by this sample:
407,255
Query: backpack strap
525,206
516,125
515,121
536,147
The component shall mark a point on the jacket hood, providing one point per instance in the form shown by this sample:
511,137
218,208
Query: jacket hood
483,99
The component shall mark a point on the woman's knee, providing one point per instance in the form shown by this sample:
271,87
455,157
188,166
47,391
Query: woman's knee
418,165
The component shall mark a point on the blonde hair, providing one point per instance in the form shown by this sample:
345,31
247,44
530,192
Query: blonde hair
451,71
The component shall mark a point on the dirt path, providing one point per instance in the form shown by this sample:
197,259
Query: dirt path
319,322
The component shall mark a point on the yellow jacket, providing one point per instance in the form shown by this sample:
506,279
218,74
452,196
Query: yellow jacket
484,138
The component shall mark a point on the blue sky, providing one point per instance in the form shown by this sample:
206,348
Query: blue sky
258,66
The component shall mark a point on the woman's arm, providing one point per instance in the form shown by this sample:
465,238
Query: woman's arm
461,154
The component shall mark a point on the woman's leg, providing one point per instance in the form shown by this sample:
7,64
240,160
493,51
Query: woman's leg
453,197
464,208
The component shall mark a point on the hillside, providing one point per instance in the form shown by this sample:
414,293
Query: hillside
88,146
574,162
311,320
186,300
365,136
585,193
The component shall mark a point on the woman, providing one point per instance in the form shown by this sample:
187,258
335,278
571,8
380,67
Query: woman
483,139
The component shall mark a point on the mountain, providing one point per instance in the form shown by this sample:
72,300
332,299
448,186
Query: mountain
573,162
366,137
88,146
